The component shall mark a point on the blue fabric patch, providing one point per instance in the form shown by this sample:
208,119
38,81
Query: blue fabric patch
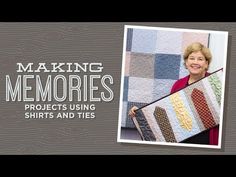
125,94
126,82
129,39
144,41
126,90
167,66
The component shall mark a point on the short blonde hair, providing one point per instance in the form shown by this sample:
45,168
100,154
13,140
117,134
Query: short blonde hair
195,47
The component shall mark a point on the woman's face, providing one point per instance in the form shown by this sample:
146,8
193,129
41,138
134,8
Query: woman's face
196,63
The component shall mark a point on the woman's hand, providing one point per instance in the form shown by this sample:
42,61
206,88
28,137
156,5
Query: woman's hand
132,112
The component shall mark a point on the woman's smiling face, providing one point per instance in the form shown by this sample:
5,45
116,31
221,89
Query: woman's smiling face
196,63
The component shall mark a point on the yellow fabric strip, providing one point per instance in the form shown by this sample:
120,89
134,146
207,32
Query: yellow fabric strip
181,112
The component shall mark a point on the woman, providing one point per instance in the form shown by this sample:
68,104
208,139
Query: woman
197,59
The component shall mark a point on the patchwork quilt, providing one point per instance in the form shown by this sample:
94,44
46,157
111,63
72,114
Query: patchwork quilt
153,62
182,114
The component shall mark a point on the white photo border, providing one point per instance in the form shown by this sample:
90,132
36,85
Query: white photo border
225,33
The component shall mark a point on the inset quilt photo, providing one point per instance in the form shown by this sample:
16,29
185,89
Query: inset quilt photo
172,86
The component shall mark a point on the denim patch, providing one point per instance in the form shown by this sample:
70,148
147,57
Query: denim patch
167,66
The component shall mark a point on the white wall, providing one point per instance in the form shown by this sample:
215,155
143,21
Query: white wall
217,45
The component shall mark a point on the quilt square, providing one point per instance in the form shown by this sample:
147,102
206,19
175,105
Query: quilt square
190,37
140,90
141,84
140,96
167,66
139,61
169,42
161,88
144,41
